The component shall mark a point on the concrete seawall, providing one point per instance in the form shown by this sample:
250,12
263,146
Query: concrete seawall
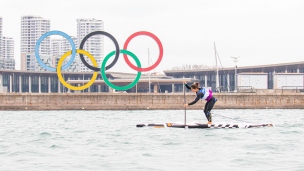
133,101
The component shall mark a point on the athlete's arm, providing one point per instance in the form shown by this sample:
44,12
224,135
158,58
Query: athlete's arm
188,87
199,95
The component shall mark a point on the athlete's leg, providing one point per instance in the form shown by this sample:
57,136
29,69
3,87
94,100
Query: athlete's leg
208,107
207,113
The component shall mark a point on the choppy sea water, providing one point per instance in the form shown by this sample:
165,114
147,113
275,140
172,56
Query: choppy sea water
109,140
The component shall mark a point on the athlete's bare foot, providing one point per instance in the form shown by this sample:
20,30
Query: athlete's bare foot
210,123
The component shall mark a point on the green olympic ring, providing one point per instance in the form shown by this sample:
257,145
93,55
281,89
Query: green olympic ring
103,72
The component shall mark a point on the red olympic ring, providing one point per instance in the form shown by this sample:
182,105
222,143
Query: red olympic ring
160,46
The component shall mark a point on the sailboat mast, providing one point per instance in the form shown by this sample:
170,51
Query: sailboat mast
217,76
149,71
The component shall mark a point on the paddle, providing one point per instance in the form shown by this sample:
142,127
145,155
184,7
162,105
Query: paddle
185,103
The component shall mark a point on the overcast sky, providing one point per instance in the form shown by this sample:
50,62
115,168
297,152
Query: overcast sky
259,31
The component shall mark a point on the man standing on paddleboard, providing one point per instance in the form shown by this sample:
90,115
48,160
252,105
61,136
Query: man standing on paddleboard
203,94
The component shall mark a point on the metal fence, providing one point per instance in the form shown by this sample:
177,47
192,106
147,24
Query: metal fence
293,89
235,89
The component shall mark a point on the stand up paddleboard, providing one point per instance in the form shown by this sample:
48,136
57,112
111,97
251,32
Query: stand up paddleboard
200,126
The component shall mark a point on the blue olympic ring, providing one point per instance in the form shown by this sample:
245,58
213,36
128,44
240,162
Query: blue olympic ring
55,33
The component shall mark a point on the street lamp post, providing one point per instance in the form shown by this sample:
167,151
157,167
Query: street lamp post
235,60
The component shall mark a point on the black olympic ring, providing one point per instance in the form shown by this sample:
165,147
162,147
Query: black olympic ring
105,34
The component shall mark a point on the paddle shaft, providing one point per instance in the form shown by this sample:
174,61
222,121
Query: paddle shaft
185,103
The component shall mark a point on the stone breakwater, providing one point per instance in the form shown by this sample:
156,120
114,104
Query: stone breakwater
145,101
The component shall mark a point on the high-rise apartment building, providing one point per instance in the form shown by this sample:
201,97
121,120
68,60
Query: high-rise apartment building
0,37
7,60
32,27
7,49
95,44
59,47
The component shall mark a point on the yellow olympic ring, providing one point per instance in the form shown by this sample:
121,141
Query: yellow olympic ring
64,82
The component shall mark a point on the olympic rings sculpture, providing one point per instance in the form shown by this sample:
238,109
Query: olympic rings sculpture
95,68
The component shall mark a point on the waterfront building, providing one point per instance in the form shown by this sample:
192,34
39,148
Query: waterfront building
169,82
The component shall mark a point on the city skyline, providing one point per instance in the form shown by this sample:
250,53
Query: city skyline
51,49
261,32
